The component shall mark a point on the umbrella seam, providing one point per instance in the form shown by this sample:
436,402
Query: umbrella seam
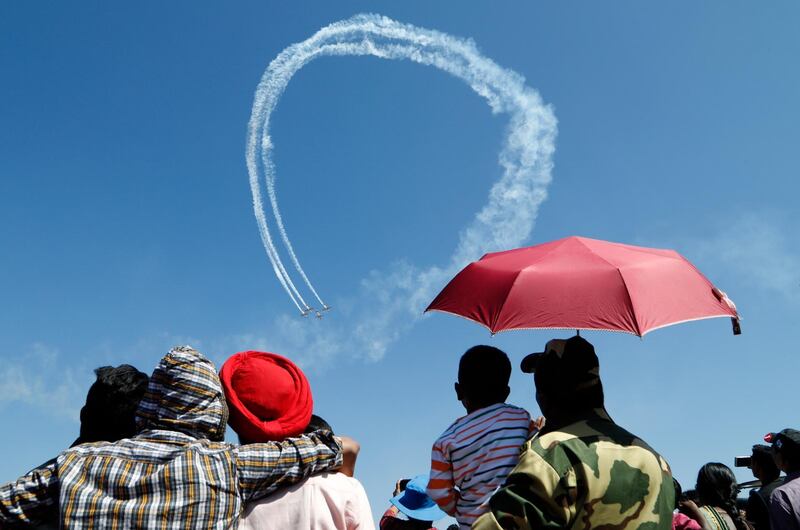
505,299
460,316
634,248
556,244
630,299
624,284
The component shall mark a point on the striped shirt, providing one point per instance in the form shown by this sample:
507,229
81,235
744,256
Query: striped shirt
473,457
177,473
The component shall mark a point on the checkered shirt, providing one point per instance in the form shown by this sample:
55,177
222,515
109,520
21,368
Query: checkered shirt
166,479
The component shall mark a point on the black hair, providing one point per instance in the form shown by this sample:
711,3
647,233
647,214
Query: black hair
318,424
315,424
716,487
483,374
690,495
678,491
110,410
764,456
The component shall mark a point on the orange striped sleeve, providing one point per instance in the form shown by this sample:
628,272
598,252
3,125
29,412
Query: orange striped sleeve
441,487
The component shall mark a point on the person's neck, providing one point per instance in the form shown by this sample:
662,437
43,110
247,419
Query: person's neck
559,419
472,408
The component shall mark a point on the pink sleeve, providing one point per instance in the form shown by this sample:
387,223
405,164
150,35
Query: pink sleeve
682,521
359,513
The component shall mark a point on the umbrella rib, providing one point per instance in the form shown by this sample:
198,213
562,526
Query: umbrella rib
630,299
556,245
624,284
528,266
707,317
505,299
650,251
460,316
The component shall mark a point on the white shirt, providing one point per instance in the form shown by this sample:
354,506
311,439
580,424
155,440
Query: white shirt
329,501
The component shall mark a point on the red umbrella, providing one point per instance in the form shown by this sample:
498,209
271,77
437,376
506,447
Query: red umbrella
581,283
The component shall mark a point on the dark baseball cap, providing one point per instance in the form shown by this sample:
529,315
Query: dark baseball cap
570,361
787,439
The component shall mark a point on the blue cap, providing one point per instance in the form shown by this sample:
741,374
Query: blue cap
415,502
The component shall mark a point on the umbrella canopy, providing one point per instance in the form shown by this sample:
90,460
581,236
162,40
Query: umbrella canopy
581,283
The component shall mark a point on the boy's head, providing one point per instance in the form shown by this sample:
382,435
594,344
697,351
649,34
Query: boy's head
483,375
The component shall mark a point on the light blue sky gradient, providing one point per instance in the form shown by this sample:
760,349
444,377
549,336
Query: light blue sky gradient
126,223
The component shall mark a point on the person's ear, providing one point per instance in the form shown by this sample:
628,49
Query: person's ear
458,392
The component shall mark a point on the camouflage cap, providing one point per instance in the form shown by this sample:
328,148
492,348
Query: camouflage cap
570,362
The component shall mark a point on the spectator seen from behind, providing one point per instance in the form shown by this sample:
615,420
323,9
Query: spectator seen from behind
784,503
270,399
108,415
681,521
475,454
582,470
176,472
716,493
762,464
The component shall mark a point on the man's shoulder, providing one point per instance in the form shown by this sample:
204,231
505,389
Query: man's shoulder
766,490
791,484
591,441
335,480
333,485
593,431
144,446
616,467
516,408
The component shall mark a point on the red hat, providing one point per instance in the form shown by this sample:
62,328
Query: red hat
268,396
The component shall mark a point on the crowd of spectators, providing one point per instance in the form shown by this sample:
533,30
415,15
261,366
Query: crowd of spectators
151,454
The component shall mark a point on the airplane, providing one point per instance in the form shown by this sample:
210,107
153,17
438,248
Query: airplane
326,307
305,312
319,315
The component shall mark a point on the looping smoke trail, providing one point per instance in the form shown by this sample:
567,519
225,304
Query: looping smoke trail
526,157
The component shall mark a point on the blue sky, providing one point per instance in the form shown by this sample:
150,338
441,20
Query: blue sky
126,223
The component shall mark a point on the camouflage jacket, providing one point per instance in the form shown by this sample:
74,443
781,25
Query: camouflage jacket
590,474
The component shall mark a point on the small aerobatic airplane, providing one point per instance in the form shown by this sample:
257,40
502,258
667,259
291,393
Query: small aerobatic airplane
317,313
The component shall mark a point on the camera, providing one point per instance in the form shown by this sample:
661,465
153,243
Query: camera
742,461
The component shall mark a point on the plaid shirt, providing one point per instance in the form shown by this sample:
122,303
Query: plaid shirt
181,478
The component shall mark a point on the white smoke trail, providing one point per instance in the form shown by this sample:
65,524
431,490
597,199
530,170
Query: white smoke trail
508,217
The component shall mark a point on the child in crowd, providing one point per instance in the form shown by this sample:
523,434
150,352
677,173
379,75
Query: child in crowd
412,508
476,453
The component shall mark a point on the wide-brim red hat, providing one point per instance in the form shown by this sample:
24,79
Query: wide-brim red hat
268,396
